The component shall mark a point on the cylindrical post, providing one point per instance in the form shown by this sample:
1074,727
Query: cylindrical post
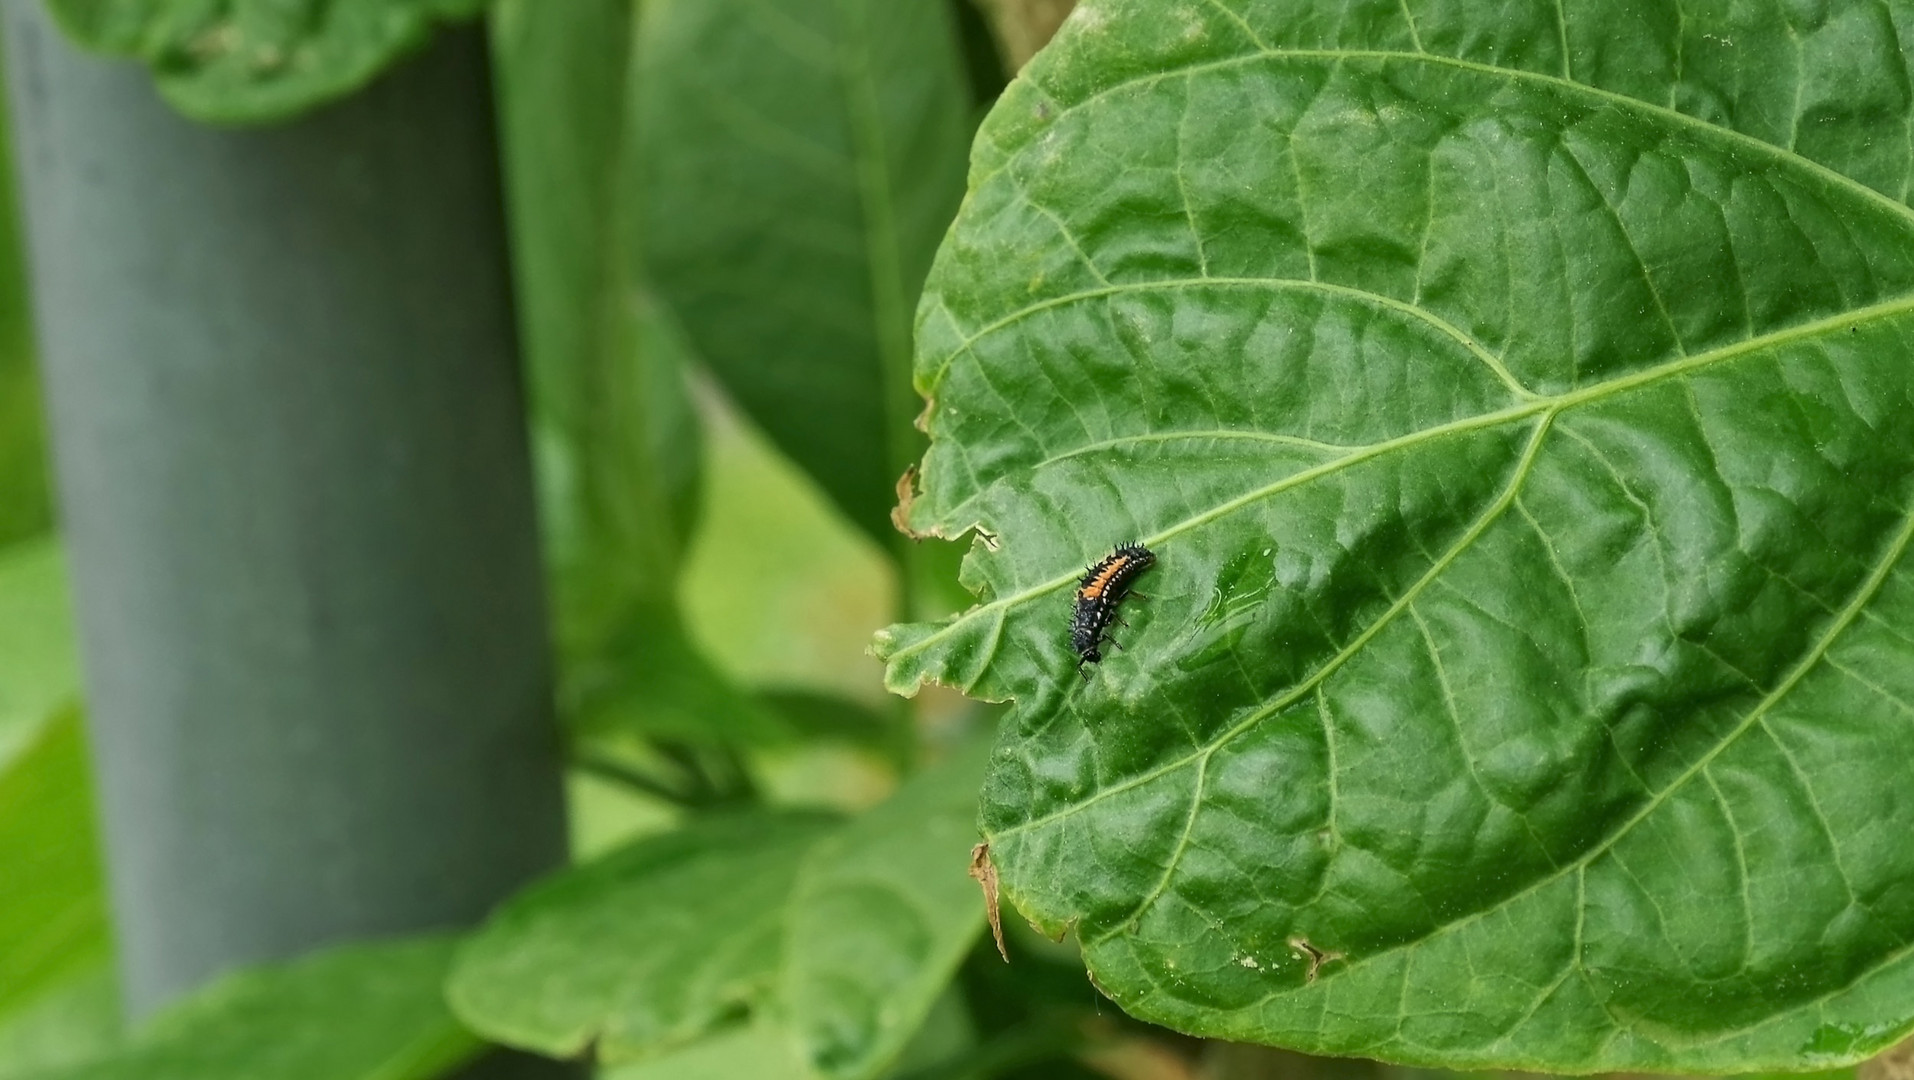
290,449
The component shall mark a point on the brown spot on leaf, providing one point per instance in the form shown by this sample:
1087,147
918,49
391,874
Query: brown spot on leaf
1316,957
985,874
906,494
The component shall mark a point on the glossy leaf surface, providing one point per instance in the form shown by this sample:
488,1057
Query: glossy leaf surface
1519,398
363,1012
802,161
256,61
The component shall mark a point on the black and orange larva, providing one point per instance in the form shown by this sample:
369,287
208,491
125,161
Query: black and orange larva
1098,596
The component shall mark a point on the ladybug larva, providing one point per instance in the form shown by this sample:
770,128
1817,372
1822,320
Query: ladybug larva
1099,594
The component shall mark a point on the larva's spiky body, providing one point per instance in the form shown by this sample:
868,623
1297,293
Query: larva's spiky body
1099,594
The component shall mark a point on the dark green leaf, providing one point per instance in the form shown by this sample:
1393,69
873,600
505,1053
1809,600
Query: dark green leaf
881,915
828,718
53,921
255,61
618,440
647,949
365,1012
1520,400
616,436
25,505
801,161
651,681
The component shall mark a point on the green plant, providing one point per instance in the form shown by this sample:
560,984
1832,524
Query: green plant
1516,397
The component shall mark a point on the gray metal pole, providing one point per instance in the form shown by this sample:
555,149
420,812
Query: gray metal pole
287,426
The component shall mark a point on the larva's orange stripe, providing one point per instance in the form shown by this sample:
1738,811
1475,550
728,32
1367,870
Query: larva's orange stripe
1102,581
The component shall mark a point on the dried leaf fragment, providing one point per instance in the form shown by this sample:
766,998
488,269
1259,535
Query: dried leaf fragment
985,874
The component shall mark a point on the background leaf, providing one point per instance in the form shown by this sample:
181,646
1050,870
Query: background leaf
256,61
881,913
1518,399
803,159
53,919
759,1051
39,667
25,502
642,951
363,1012
75,1022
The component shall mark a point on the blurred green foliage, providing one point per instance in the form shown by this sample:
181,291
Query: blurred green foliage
722,212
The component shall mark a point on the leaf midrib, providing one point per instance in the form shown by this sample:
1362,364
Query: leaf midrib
1551,404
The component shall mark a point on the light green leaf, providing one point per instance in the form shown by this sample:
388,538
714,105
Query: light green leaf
53,922
256,61
642,951
363,1012
802,159
760,1051
1519,398
881,914
39,663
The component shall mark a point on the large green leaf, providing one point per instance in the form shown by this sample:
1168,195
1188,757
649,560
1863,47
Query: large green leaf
642,951
363,1012
803,157
880,916
254,61
1519,397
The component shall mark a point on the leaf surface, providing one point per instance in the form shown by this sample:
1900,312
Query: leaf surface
1517,397
256,61
361,1012
881,914
835,938
643,951
802,160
